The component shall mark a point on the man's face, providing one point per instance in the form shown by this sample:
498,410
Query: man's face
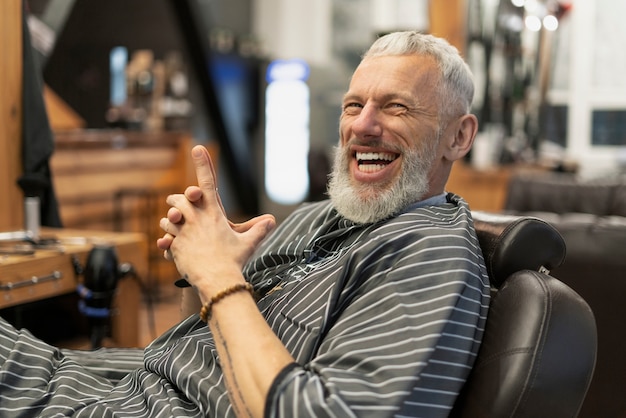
389,131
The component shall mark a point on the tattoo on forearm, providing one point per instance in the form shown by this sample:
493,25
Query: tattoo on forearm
230,379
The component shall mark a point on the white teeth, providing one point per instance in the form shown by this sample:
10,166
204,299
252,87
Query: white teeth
370,168
371,158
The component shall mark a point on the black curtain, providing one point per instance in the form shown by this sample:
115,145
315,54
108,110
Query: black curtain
37,138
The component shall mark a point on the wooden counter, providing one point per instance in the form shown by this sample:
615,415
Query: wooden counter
486,189
482,189
50,272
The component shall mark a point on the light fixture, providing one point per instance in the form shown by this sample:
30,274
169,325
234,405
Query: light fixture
550,22
287,133
533,23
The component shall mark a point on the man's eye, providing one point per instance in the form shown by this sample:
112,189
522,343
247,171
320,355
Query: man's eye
352,108
352,105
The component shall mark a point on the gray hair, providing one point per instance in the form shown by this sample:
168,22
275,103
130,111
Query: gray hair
456,81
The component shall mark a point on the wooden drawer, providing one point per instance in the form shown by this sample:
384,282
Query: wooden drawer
43,277
49,273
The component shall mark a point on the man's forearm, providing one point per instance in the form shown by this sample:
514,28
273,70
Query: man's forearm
250,353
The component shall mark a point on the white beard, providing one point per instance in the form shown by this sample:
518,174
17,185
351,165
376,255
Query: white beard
353,203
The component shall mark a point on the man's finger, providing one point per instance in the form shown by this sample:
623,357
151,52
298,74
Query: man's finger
205,173
245,226
165,241
193,193
204,169
259,227
174,215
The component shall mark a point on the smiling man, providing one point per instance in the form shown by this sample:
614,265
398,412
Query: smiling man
369,304
405,120
372,303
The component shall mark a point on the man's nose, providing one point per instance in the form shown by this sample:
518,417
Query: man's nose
368,122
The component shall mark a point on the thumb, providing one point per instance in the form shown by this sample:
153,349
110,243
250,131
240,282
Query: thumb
259,228
245,226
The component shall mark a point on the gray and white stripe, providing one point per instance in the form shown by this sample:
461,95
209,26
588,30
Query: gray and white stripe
382,319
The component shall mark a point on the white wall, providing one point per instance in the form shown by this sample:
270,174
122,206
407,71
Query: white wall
597,64
295,28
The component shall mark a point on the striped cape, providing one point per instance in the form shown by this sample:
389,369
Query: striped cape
382,320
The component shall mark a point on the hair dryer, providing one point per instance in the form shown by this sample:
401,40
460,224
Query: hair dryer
101,274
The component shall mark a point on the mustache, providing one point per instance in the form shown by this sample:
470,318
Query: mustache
372,143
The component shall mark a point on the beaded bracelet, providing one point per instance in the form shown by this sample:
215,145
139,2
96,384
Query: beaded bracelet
205,312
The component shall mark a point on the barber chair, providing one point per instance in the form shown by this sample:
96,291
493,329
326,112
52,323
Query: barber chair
539,347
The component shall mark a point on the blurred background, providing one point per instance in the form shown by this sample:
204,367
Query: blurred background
549,76
101,102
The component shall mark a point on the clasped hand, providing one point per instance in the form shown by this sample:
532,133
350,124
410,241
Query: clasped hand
207,248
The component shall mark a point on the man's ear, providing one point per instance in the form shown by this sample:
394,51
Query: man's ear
462,137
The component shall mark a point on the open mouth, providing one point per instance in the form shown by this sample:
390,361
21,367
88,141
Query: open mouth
370,162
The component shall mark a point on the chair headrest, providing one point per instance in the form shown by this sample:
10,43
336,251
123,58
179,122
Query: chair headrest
511,243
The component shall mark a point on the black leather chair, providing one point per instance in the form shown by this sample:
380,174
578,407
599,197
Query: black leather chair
539,347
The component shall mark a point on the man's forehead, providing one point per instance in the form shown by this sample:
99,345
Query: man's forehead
405,70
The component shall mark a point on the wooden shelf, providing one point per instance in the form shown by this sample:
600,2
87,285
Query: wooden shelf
54,270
